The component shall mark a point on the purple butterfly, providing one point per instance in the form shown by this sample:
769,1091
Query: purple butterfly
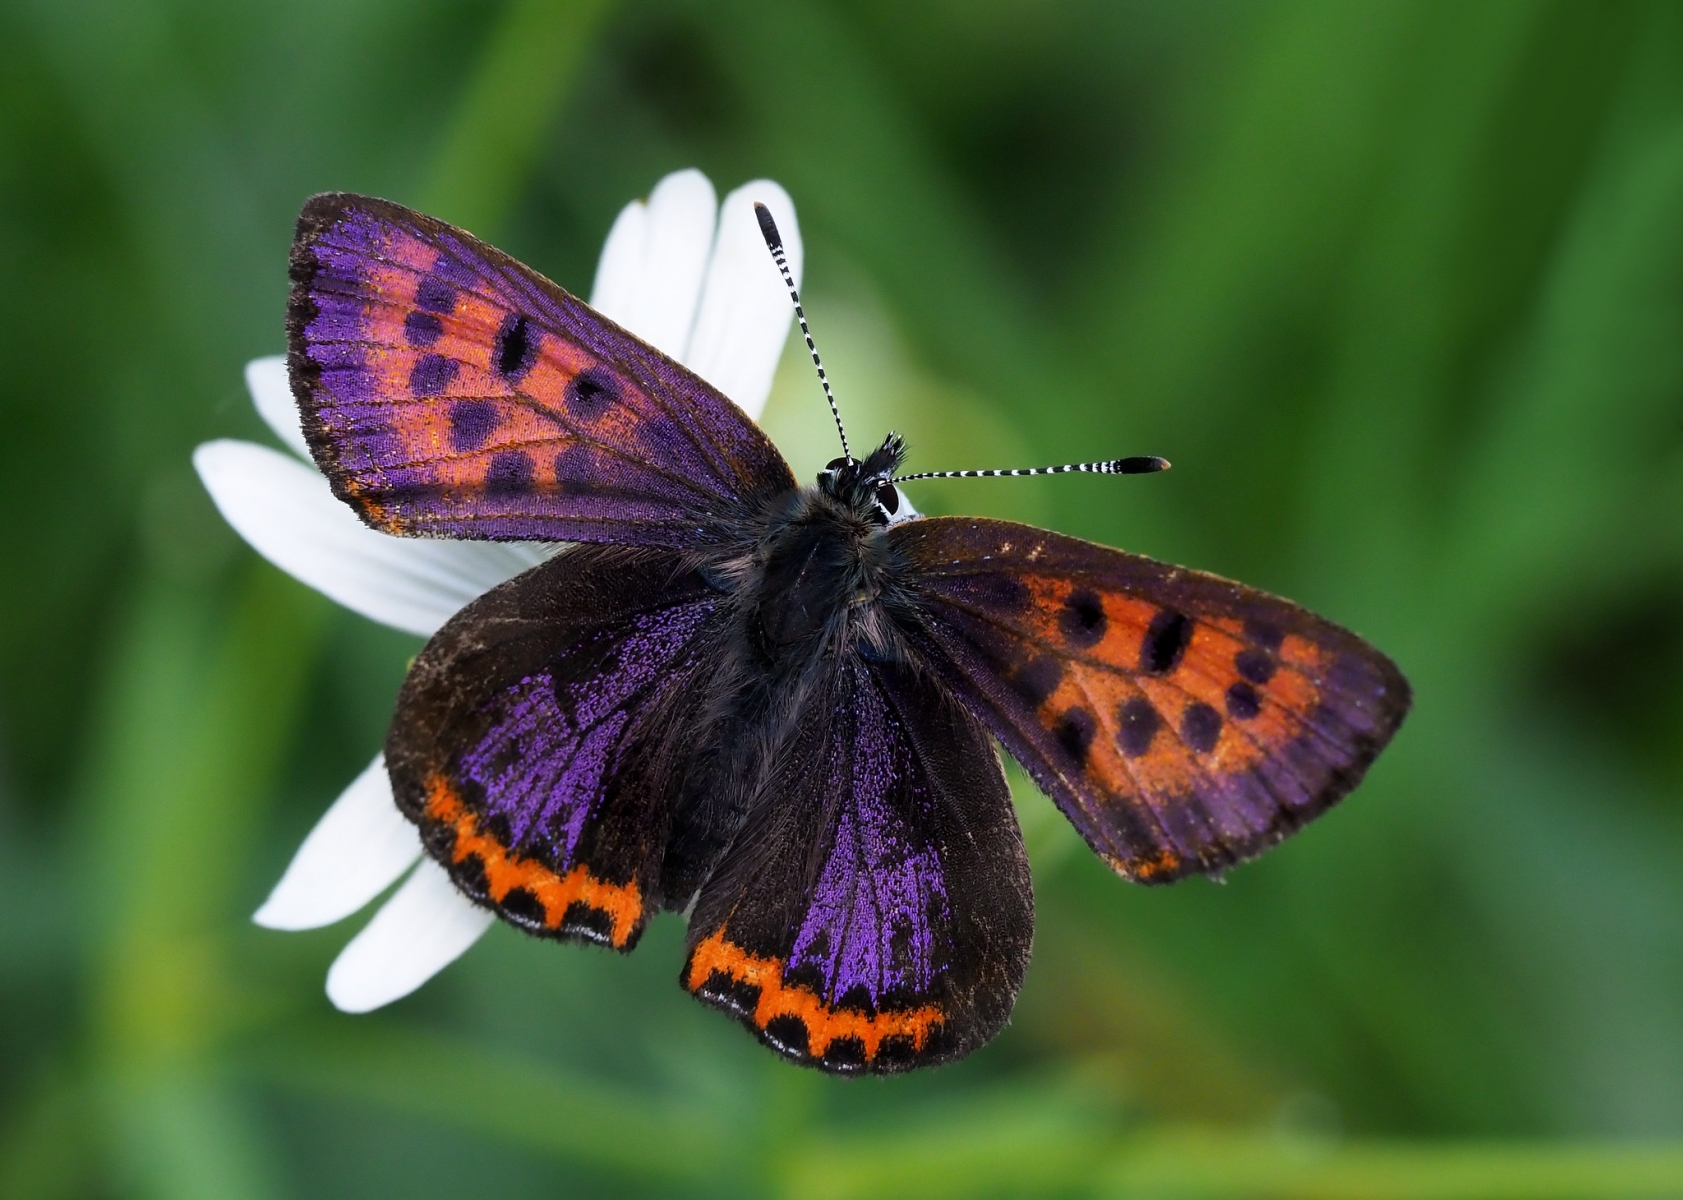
770,706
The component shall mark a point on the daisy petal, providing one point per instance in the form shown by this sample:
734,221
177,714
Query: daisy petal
745,312
271,392
619,270
649,276
353,854
423,928
289,515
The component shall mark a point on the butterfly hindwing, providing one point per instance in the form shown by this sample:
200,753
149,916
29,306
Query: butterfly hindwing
874,913
533,740
448,390
1182,722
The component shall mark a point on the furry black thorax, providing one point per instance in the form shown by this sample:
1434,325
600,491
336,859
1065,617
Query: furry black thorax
807,571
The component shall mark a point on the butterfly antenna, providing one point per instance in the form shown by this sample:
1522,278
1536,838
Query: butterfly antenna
1143,464
774,243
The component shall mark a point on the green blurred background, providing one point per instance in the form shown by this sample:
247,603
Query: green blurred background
1397,286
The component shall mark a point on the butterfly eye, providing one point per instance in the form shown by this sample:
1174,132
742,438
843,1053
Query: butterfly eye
835,464
889,497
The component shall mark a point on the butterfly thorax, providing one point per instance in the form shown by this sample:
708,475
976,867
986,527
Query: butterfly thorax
809,569
820,568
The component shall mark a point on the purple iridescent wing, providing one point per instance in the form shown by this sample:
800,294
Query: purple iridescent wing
1181,722
449,391
534,738
874,913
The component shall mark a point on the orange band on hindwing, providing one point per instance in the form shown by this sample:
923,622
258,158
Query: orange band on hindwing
506,871
823,1023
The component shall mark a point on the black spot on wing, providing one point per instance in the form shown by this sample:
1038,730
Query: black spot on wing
1166,640
896,1051
1074,732
1200,726
589,394
1082,618
1242,701
432,374
471,423
469,875
516,349
435,295
1138,723
728,992
422,328
510,473
1038,678
788,1034
845,1054
524,906
1263,633
1255,665
587,922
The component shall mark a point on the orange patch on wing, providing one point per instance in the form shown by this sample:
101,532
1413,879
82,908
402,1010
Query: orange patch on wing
777,999
1164,862
467,339
530,415
1100,678
1104,672
505,871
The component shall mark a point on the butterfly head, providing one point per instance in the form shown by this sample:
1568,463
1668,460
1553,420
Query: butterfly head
865,485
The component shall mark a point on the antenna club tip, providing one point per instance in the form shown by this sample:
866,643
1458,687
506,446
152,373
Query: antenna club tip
768,227
1143,464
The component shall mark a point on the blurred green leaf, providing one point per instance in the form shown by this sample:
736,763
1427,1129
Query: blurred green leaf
495,137
508,1099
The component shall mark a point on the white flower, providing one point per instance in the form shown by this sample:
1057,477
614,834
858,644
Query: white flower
688,275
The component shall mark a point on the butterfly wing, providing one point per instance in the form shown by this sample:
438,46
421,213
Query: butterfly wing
874,913
447,390
533,740
1182,722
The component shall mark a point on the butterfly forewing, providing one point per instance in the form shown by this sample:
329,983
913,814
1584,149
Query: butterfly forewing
1182,722
448,390
535,737
874,913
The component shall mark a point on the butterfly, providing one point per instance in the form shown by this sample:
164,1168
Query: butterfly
772,707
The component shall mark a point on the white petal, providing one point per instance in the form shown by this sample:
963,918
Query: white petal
353,854
423,928
649,276
619,270
291,517
271,392
745,312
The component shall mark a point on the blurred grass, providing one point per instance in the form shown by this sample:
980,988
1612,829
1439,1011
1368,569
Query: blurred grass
1397,286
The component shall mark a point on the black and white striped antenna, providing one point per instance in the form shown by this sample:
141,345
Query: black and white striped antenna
774,243
1143,464
1138,465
